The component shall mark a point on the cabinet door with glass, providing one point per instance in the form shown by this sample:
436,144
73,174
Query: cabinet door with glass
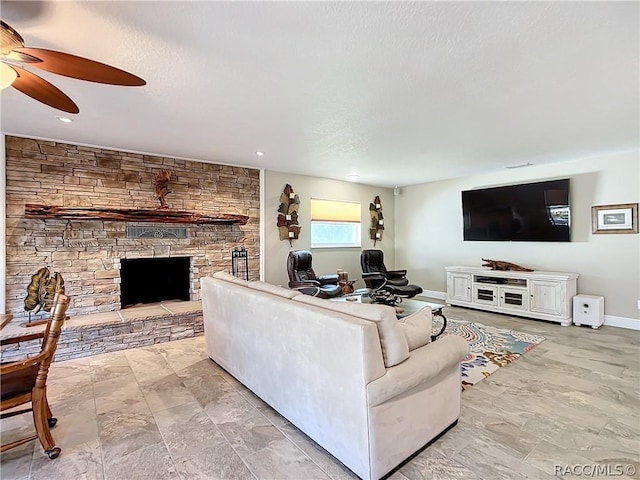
486,294
514,298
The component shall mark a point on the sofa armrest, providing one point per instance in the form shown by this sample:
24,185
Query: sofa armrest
396,273
329,279
424,365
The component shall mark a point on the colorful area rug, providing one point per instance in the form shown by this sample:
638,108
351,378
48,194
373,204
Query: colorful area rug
491,348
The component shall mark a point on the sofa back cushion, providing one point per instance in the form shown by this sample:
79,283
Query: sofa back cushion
395,348
230,278
273,289
417,328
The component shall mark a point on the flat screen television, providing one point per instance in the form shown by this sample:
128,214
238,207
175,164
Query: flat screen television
530,212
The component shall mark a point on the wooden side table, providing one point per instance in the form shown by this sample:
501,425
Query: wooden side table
347,286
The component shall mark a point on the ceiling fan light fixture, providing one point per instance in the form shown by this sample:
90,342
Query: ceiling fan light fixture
14,57
64,119
7,76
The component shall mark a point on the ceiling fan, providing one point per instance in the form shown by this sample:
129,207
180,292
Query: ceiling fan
14,56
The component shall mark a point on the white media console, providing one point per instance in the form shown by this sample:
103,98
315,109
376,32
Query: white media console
543,295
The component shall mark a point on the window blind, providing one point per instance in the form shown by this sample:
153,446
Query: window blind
334,211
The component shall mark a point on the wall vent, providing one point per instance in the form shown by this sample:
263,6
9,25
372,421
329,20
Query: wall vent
156,232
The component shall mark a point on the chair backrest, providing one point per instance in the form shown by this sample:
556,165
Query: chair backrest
54,302
299,266
52,334
20,377
372,261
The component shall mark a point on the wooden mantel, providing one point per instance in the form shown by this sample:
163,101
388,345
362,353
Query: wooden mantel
130,215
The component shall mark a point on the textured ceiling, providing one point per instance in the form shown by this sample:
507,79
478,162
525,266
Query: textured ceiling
399,93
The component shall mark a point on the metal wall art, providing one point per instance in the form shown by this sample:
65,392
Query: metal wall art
377,220
287,223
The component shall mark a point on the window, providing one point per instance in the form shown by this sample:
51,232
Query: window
334,224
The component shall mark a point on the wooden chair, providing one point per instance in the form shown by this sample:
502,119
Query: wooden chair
25,381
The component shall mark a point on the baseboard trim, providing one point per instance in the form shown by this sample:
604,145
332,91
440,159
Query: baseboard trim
434,294
622,322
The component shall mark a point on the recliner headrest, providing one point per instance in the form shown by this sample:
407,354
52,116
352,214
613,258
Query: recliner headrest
302,260
299,266
372,261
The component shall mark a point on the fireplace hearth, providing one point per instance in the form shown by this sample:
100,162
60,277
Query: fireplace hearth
151,280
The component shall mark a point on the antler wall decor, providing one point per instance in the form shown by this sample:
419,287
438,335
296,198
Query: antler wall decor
377,220
161,186
42,290
287,223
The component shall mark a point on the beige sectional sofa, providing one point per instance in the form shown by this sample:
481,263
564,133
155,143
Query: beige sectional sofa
370,389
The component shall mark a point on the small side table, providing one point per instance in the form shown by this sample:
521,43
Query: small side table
347,286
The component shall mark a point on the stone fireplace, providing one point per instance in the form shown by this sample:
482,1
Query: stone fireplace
91,254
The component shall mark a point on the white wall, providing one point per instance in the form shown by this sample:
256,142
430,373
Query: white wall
324,260
429,230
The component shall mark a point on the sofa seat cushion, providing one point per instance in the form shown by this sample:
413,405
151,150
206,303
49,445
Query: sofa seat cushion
273,289
395,348
417,328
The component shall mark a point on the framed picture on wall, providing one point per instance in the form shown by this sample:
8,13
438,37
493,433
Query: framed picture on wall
621,218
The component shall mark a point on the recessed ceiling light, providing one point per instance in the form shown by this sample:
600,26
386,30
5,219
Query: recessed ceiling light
260,154
353,177
64,119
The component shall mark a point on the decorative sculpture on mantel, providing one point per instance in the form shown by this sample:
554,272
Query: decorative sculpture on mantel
377,220
41,292
161,186
287,223
500,265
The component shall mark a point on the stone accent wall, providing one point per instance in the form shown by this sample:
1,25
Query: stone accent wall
88,253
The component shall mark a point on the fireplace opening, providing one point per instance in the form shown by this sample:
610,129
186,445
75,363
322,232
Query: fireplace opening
150,280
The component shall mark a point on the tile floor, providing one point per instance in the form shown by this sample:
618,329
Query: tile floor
167,411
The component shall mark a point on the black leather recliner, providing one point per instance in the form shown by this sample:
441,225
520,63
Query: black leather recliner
377,277
303,278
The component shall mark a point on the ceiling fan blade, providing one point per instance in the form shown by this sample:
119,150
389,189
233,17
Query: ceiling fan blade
9,38
21,57
43,91
81,68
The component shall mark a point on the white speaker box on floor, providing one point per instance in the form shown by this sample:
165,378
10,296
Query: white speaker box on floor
588,310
